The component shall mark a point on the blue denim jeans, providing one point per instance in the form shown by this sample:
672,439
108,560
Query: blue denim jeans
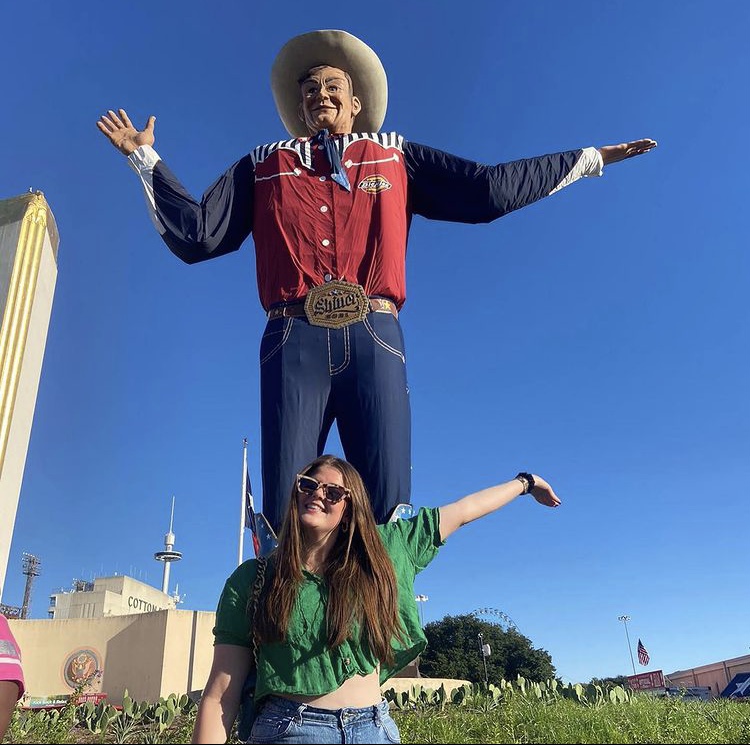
284,721
311,376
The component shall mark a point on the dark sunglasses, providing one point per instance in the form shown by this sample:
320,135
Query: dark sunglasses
332,493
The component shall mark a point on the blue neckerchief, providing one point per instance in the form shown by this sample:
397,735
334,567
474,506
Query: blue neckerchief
337,172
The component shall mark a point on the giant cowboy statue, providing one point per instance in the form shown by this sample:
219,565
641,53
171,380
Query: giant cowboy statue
329,211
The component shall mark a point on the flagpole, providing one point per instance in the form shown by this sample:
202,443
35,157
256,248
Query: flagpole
240,549
625,620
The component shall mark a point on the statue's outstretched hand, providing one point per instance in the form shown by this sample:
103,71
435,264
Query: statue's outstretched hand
122,134
615,153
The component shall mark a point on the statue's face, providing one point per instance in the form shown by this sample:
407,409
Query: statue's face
327,101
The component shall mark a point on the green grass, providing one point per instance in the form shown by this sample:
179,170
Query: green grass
643,719
480,719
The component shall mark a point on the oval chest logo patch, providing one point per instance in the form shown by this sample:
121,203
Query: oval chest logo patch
374,184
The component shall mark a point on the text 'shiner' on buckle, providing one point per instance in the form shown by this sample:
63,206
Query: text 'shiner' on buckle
336,304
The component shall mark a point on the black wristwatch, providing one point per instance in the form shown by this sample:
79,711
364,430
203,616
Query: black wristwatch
527,480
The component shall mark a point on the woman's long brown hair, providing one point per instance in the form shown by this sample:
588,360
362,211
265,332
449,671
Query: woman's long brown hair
362,590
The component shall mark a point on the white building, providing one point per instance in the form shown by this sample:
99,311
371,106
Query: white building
108,596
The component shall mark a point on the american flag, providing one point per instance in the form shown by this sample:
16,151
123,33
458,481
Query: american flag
643,657
250,513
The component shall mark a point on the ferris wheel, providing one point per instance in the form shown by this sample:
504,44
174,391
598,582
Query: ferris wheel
493,615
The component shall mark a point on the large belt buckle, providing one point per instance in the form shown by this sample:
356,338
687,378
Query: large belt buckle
336,304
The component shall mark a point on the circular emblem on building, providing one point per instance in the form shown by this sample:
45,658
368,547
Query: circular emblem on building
81,667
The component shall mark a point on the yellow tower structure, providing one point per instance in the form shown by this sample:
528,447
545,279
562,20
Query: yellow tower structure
28,273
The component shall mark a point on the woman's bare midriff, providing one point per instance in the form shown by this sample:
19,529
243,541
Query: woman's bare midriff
356,692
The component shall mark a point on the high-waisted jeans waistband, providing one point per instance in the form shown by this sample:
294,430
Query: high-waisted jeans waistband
283,720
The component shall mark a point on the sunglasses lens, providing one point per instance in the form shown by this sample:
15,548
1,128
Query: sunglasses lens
335,493
307,485
331,492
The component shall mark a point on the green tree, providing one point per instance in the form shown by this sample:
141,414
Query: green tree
453,651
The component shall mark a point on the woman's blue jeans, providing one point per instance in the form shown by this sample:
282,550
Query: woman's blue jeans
356,375
284,721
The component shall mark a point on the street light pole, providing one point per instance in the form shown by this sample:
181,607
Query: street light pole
484,651
625,620
421,599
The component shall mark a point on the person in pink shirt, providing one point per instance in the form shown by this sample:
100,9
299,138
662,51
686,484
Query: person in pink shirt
12,685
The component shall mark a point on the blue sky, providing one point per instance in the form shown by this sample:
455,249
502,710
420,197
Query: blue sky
598,337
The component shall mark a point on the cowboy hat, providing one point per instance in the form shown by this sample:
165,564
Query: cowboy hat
336,49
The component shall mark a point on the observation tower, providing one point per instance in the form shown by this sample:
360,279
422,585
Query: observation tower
168,555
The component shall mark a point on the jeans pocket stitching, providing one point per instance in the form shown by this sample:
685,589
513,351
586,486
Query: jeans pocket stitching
382,343
345,363
285,335
390,728
268,722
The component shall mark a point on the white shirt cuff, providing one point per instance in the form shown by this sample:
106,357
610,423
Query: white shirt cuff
143,158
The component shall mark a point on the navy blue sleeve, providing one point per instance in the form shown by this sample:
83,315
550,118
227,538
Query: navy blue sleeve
216,225
445,187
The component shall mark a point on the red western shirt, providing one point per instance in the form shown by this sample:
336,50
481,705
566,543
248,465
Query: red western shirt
308,229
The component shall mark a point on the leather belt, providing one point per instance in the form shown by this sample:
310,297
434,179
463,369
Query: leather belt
297,309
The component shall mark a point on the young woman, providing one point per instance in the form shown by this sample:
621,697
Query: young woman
336,616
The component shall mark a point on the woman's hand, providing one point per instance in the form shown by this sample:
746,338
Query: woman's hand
544,493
